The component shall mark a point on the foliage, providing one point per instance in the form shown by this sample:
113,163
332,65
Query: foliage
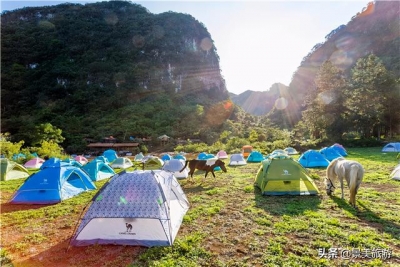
109,68
47,132
7,148
50,149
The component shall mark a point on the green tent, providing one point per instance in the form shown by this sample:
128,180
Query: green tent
11,170
284,176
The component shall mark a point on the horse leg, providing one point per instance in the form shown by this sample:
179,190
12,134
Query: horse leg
205,176
341,185
191,174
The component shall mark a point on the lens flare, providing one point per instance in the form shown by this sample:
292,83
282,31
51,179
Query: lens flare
206,44
281,103
138,41
111,19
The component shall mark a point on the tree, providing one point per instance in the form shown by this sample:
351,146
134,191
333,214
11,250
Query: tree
7,148
365,100
47,132
324,103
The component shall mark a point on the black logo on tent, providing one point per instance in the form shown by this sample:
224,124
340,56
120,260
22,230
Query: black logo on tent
128,227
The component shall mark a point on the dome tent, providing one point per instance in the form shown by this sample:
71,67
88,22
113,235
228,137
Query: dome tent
34,163
313,159
140,208
330,153
222,154
284,176
52,185
110,154
237,160
255,156
391,147
174,166
121,163
11,170
98,170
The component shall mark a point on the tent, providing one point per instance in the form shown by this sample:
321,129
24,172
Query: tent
103,159
202,156
284,176
222,154
153,163
339,148
73,162
52,185
11,170
81,159
330,153
18,156
140,208
255,156
237,160
166,157
110,154
174,166
52,162
98,170
246,150
312,158
391,147
180,156
121,163
139,157
34,163
395,175
291,151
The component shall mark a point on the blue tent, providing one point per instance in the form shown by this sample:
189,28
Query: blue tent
73,162
312,158
166,157
180,156
52,185
98,170
103,159
255,156
202,156
110,154
330,153
52,162
339,148
391,147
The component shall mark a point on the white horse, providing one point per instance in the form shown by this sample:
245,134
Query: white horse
351,170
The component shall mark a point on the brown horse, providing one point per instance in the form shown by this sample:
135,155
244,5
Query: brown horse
202,165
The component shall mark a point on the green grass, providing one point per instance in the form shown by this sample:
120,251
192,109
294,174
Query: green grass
230,223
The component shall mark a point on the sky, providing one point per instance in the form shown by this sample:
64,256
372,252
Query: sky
259,43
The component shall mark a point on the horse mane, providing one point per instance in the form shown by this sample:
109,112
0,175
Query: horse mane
330,171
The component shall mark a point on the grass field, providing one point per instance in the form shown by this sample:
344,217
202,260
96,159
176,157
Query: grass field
229,223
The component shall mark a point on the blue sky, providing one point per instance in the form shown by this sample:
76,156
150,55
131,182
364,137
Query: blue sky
259,42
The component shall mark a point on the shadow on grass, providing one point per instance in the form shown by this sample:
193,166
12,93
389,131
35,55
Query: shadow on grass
286,204
88,256
8,208
369,217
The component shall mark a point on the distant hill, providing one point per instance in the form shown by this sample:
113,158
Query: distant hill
374,30
257,102
108,68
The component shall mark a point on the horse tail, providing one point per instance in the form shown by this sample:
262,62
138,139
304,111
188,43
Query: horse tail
355,173
186,163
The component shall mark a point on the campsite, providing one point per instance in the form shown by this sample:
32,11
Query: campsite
228,223
125,142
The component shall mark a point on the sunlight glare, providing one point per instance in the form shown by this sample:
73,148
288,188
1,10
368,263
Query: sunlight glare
281,103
